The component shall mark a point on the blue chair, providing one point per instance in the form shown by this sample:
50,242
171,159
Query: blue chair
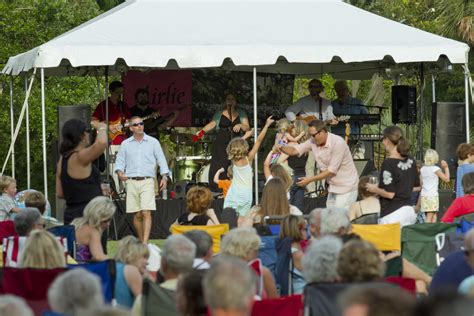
267,253
68,232
107,273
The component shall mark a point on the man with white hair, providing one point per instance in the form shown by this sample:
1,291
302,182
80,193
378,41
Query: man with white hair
229,287
319,262
325,221
177,257
27,219
11,305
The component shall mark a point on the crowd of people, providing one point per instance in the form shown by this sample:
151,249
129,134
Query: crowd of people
320,247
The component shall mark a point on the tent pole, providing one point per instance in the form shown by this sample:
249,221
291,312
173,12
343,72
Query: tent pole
28,157
422,112
467,76
12,125
255,123
433,87
43,129
107,153
20,119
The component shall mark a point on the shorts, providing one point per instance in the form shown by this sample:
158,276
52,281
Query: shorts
429,204
405,215
140,195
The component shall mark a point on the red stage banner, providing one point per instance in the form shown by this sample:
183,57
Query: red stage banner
168,90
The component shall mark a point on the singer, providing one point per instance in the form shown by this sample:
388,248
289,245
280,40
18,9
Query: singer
229,123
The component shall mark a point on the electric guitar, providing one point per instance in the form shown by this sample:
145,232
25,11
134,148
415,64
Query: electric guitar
309,118
116,127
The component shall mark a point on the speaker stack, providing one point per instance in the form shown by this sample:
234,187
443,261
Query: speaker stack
403,104
448,130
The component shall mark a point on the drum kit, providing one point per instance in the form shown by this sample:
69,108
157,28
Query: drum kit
192,158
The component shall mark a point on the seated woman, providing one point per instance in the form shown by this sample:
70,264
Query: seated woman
273,202
462,205
244,243
294,227
198,203
97,216
43,251
131,260
368,205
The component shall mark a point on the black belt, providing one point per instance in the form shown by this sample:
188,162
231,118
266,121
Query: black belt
139,178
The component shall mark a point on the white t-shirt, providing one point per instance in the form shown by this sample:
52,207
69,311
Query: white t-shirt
430,181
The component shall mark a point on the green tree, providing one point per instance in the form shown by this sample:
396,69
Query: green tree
25,24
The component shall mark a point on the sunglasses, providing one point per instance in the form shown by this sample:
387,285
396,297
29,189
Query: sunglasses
137,124
315,134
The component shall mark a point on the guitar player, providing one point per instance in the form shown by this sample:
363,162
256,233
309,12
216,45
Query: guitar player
118,115
308,108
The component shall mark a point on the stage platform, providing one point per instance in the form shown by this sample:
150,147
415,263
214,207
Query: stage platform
167,211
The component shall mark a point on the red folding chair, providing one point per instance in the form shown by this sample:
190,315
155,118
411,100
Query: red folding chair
30,284
407,284
283,306
7,229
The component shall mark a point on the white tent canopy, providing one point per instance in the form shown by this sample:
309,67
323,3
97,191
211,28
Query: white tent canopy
301,37
305,37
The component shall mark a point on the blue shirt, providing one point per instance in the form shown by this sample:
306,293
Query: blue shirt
351,106
139,158
462,170
452,271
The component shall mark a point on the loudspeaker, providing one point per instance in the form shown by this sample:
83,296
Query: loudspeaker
404,104
446,197
364,167
66,112
181,188
448,130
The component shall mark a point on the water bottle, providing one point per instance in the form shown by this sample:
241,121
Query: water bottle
164,194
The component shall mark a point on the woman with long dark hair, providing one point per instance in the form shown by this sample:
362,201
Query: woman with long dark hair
398,177
77,179
229,123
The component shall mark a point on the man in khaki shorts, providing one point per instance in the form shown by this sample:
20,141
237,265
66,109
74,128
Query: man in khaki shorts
136,163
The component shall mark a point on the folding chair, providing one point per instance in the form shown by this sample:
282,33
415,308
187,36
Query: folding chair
216,232
13,247
268,253
68,232
419,244
30,284
407,284
467,217
367,219
107,273
283,306
321,298
157,300
284,269
385,237
7,229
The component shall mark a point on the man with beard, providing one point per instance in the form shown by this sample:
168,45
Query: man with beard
142,109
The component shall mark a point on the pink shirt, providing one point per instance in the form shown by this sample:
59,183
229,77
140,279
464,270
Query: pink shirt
335,157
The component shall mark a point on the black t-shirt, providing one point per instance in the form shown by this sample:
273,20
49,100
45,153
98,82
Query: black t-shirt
397,176
298,164
152,124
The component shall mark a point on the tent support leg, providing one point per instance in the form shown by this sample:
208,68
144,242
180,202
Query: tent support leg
28,156
421,117
255,123
43,129
467,76
12,125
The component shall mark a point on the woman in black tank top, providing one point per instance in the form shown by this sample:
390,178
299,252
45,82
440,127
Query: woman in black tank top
77,157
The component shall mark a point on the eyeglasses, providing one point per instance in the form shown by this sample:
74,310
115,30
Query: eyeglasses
315,134
138,124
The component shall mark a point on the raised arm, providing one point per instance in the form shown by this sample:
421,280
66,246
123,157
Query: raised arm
216,176
295,139
266,165
260,138
91,153
444,175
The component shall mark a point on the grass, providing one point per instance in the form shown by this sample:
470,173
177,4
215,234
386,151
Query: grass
113,244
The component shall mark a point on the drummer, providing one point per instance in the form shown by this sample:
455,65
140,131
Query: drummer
229,122
142,109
